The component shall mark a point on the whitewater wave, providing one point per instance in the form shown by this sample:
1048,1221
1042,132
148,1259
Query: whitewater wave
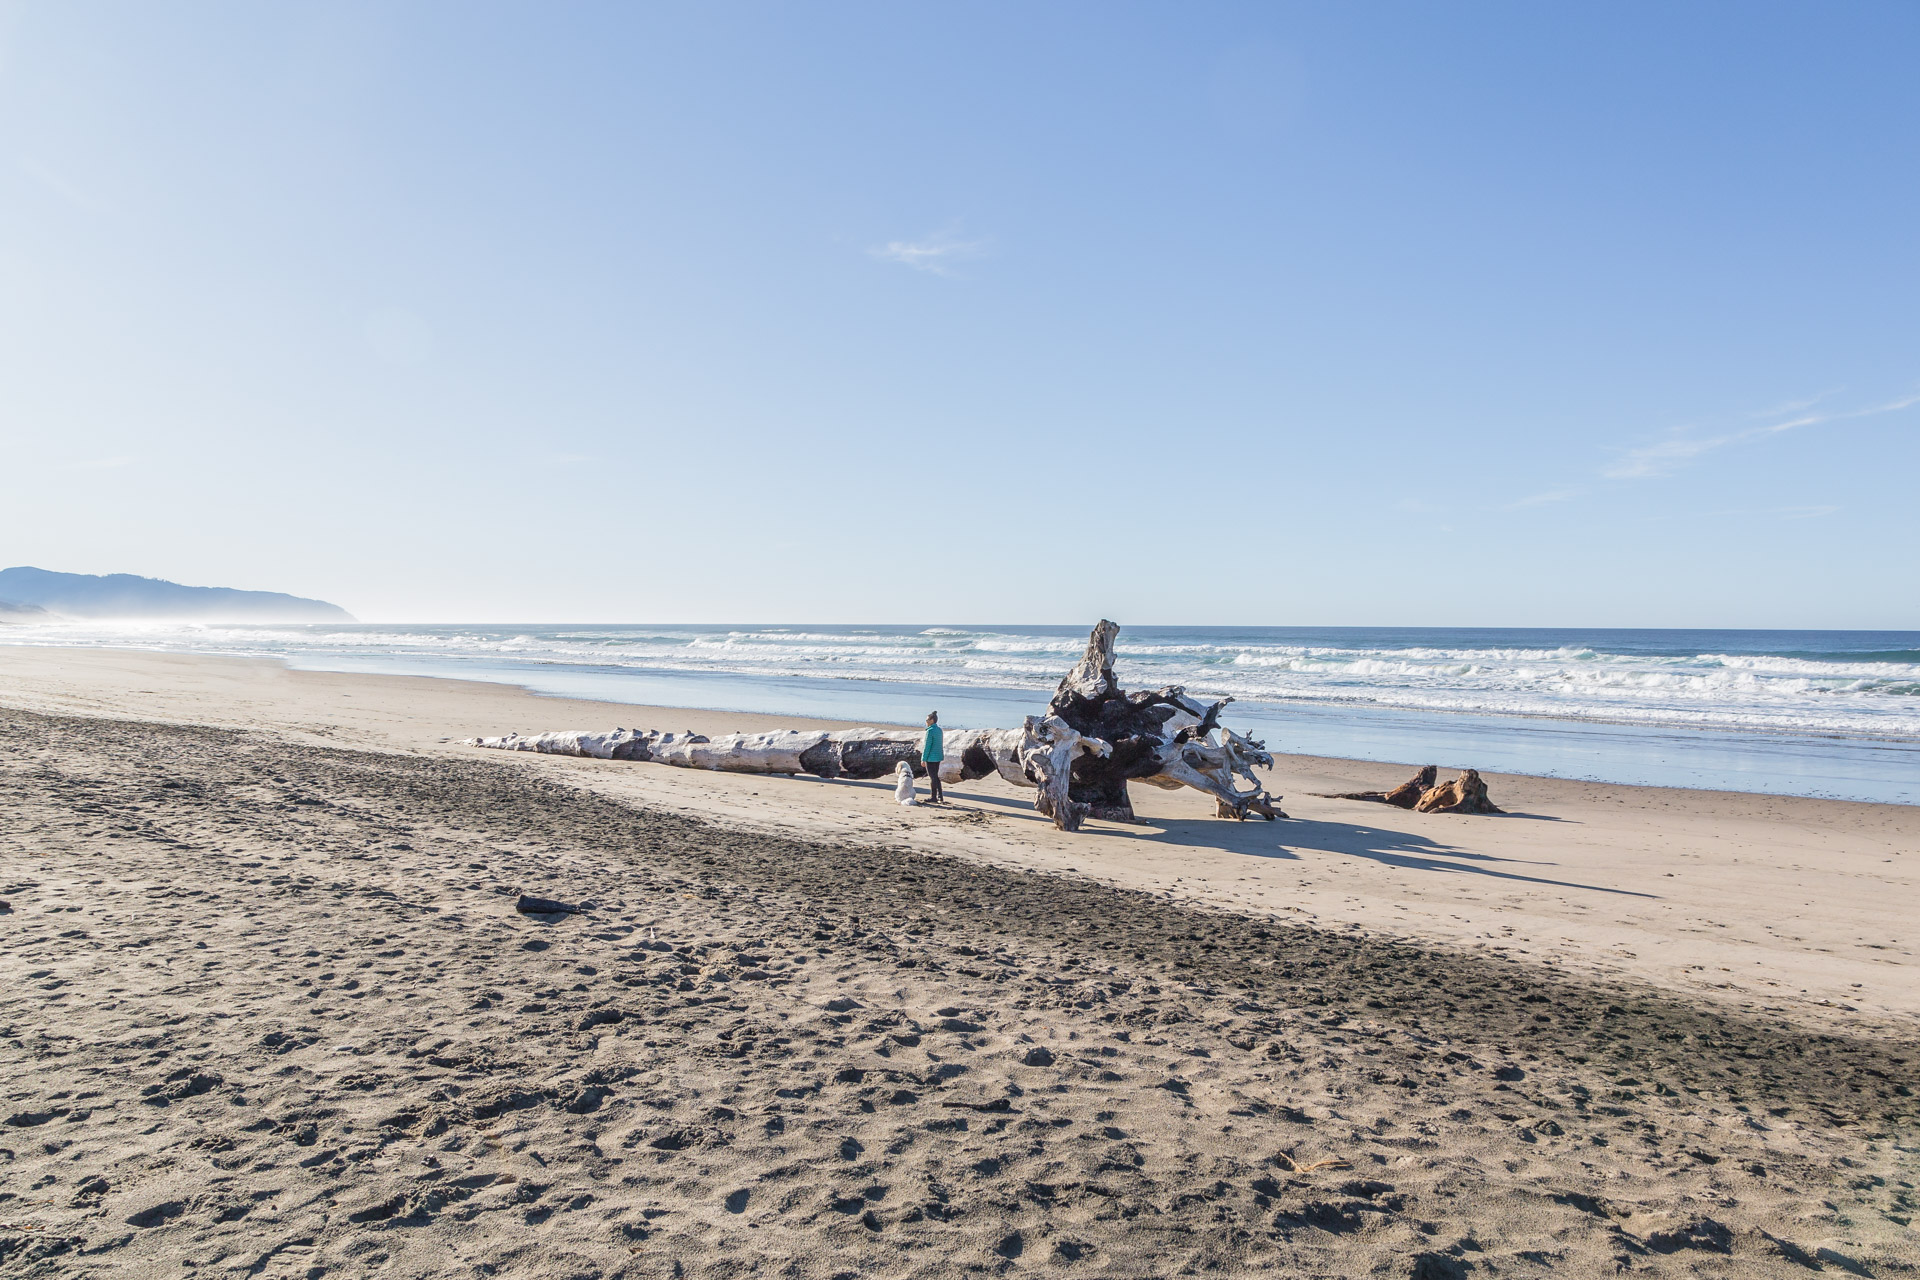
1654,679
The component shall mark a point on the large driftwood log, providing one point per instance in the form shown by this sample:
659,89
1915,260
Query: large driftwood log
1160,737
1038,754
1094,739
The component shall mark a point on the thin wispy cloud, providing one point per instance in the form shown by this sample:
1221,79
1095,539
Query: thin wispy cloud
1683,445
935,254
1664,457
1543,499
1794,406
1669,456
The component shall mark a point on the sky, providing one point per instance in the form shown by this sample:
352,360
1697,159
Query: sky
1318,314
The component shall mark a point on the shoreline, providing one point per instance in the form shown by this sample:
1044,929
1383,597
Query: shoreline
1756,901
1650,749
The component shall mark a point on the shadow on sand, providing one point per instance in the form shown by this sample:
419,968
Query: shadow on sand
1282,839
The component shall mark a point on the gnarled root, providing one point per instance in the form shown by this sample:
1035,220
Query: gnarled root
1047,752
1163,737
1261,805
1211,765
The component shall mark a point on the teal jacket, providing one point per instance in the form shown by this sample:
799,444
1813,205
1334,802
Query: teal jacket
934,749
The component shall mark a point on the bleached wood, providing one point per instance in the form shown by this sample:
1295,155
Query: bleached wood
1094,739
1163,737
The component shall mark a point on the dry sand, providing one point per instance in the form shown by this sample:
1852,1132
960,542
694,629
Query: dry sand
268,1010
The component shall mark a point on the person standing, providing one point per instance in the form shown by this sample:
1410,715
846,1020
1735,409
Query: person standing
932,752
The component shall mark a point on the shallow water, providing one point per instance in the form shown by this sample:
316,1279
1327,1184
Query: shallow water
1830,713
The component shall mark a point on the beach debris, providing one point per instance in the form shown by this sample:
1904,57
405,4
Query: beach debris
1422,793
1465,794
544,906
1094,739
1404,796
1287,1163
998,1106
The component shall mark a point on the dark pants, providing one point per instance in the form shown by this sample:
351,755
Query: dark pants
934,793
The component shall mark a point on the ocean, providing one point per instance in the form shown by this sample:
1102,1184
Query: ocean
1816,713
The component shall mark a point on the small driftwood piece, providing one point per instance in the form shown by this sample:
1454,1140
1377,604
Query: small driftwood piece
1422,793
1404,796
1080,755
1465,794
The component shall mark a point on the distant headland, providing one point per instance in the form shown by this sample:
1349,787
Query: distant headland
30,595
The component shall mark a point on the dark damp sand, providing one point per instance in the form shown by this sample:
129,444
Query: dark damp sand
266,1009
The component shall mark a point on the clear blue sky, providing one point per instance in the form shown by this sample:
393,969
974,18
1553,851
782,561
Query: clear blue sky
1428,314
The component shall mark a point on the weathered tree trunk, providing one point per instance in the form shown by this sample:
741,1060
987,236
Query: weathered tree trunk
1038,754
1094,739
1162,737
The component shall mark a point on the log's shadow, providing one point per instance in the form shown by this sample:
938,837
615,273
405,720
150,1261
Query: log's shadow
1259,840
1503,815
1389,848
1419,853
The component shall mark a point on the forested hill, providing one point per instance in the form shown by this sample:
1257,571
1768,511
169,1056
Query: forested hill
123,595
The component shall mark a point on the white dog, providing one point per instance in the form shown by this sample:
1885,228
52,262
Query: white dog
903,783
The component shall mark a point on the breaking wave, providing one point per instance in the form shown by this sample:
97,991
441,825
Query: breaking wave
1850,684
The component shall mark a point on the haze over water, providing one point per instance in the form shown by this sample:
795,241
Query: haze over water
1832,713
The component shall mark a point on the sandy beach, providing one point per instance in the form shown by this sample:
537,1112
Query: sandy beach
269,1009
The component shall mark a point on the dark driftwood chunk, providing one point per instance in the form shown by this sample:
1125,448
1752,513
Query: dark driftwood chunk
1408,793
543,906
1404,796
822,760
877,758
1465,794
